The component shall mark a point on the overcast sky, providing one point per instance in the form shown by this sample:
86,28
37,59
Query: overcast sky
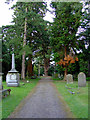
6,13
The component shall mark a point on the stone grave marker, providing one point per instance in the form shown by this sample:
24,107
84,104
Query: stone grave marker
12,78
59,75
69,78
0,81
81,79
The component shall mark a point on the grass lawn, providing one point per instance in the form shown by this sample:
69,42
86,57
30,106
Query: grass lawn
78,102
0,108
17,95
56,79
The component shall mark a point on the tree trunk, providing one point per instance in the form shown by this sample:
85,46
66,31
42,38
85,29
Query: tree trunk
46,65
29,67
23,67
39,69
23,56
65,72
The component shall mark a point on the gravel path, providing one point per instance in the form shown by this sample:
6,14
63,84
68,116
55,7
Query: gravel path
43,103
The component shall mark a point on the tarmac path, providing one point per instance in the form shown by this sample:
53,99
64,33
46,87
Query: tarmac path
44,102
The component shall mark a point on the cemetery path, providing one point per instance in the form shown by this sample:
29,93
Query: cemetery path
44,102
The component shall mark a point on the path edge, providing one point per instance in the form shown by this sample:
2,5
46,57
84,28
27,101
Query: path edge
23,102
66,107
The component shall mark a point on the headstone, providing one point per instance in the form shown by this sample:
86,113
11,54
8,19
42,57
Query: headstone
69,78
0,81
12,78
59,75
81,79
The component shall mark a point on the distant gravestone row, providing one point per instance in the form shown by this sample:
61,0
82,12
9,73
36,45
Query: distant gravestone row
81,79
12,78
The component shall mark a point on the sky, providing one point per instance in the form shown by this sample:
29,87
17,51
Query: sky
6,13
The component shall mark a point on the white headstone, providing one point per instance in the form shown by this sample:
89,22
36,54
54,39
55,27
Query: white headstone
12,77
0,82
81,79
59,76
69,78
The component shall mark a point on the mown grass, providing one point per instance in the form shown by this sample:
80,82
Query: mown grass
17,95
78,102
0,108
56,79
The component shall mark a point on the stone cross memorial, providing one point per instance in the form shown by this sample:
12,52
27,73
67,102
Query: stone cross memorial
81,79
12,78
69,78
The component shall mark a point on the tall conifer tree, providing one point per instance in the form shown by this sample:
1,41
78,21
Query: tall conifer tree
65,26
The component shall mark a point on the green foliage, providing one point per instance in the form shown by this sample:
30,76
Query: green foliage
13,35
26,49
5,60
88,78
51,71
84,40
55,75
60,69
58,55
73,68
83,64
44,38
42,71
35,70
65,25
64,29
56,78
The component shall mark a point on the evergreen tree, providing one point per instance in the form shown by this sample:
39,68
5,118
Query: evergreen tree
10,43
28,20
65,26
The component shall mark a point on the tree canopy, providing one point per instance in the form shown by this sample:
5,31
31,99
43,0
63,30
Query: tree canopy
33,39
